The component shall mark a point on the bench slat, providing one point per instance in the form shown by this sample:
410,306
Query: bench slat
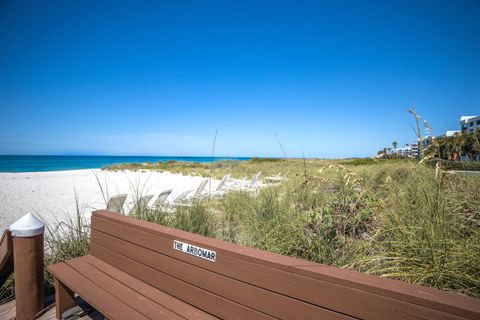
202,299
447,302
100,299
127,295
290,281
265,301
183,309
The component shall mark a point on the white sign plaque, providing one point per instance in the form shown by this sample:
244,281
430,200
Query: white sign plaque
195,251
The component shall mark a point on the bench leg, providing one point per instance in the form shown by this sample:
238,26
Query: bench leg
64,298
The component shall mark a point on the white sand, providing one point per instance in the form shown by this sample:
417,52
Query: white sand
51,195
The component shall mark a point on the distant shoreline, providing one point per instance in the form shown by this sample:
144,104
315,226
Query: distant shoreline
31,163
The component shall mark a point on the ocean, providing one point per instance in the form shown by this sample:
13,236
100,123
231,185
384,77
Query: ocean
54,163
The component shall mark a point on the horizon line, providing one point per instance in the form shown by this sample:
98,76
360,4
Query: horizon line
175,156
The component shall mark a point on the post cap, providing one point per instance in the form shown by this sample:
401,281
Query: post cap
27,226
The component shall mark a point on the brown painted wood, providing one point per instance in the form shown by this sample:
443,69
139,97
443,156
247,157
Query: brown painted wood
427,297
6,256
291,283
447,302
64,298
28,265
134,263
137,301
181,308
107,304
265,301
197,297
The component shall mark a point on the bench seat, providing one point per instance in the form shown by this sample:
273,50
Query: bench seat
141,270
117,295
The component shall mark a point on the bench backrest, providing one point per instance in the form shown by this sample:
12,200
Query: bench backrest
235,282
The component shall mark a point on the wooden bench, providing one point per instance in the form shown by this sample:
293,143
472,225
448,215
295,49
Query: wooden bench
141,270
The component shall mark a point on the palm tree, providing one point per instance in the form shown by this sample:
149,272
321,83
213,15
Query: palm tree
469,147
471,144
476,143
446,148
458,141
395,144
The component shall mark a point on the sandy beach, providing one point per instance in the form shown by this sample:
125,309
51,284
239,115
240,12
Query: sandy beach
51,195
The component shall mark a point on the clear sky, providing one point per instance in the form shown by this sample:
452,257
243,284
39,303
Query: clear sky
330,79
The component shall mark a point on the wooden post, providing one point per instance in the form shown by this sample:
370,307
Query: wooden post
27,233
64,298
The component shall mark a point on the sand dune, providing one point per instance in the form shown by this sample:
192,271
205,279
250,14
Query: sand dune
51,195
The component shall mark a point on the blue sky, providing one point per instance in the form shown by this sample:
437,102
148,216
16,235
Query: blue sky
330,79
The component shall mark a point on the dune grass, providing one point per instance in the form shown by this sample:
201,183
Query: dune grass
65,240
238,169
395,219
392,218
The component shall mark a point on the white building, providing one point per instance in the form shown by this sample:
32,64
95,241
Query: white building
408,150
405,151
470,124
451,133
415,151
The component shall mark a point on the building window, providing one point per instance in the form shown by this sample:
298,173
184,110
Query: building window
471,124
478,122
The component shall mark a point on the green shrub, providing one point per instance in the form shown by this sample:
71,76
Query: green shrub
362,162
196,218
263,160
422,237
7,290
456,165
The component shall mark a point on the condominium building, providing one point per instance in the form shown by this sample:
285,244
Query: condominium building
408,150
470,123
415,151
405,151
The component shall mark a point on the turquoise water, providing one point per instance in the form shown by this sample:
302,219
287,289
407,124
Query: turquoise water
54,163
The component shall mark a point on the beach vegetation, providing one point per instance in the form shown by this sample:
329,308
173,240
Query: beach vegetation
397,219
453,147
